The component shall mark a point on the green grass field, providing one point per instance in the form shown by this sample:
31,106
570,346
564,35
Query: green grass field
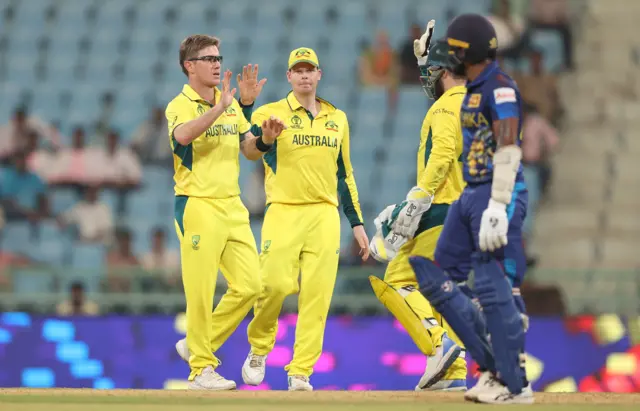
19,399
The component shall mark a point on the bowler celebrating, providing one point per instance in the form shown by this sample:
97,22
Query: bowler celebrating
207,130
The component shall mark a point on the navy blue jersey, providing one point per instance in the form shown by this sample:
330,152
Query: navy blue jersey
492,96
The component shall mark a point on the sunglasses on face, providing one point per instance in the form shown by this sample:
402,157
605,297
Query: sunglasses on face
208,59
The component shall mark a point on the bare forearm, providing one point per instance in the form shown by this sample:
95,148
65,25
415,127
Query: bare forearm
249,148
189,131
506,131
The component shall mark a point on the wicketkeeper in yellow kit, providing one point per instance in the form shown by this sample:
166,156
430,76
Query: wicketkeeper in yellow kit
413,226
306,168
207,131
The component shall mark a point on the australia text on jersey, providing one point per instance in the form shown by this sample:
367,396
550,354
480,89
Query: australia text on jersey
309,140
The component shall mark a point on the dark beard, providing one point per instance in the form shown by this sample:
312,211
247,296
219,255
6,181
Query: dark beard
439,89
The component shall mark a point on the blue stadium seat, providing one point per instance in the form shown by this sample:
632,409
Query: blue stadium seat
16,238
32,280
393,21
87,265
372,105
470,6
151,15
551,44
62,199
73,14
110,198
111,15
51,252
46,106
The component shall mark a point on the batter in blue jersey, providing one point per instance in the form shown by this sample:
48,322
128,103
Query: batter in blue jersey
483,229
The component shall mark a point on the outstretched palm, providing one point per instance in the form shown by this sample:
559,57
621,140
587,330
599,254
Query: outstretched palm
249,85
227,93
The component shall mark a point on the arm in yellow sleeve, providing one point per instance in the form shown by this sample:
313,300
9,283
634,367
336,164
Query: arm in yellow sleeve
178,114
347,188
442,146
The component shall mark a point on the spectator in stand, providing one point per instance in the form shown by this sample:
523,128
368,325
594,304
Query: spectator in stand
162,260
39,160
23,193
77,304
378,65
554,15
149,141
409,70
540,88
539,140
511,31
122,264
13,135
117,166
92,219
71,165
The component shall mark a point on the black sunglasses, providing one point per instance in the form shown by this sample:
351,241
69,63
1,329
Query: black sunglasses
209,59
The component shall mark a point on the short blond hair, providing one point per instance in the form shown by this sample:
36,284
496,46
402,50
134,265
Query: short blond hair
191,46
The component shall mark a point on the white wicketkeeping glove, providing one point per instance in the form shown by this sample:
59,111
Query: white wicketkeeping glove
421,45
494,226
385,243
410,211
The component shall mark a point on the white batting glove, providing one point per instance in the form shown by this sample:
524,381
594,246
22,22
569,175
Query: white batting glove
410,211
494,226
421,45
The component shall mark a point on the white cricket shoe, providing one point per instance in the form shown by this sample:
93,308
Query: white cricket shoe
299,383
448,386
499,394
209,379
253,369
183,349
439,363
485,382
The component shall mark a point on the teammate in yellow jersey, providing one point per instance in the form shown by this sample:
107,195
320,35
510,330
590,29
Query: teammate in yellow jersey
413,226
307,167
207,131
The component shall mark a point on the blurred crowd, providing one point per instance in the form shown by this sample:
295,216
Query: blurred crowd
37,158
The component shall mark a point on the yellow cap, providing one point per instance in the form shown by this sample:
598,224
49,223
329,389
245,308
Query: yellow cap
303,55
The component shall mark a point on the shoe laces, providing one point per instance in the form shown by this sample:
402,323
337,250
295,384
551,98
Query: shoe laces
210,371
256,361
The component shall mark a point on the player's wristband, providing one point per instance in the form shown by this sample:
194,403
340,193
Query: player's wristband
262,146
245,105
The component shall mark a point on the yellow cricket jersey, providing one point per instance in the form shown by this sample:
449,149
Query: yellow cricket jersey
209,166
310,162
439,168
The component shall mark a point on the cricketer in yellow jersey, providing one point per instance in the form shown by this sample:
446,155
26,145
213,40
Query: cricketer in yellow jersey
439,183
207,131
307,167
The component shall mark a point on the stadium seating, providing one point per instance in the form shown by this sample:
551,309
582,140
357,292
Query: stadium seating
66,54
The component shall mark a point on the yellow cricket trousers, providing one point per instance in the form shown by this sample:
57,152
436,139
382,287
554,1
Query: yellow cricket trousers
300,252
399,274
215,234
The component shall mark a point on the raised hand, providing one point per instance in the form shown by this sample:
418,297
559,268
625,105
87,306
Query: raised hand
249,85
421,45
227,92
271,129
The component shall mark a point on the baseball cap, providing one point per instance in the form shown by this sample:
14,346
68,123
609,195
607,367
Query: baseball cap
303,55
